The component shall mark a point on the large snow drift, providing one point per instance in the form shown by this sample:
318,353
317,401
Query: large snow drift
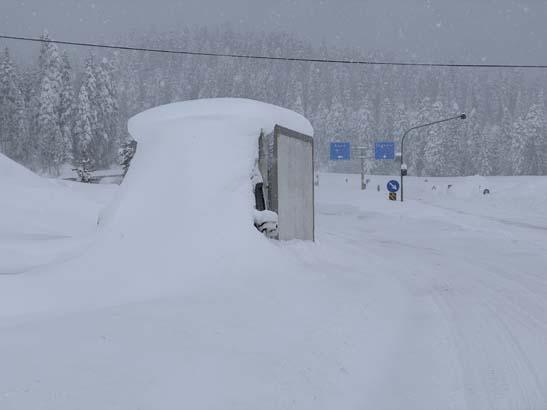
184,212
188,188
39,216
40,206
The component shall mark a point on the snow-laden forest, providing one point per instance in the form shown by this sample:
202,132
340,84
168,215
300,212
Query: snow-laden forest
65,107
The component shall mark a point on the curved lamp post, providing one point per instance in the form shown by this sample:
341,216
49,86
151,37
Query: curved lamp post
403,166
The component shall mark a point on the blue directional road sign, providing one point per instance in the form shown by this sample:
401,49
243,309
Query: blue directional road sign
393,186
339,151
384,150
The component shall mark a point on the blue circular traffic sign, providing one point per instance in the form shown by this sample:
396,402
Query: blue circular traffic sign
393,186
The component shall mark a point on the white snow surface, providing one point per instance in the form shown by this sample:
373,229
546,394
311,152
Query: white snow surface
261,217
179,303
232,114
207,150
40,217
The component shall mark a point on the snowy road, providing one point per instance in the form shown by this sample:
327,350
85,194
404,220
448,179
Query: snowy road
476,286
440,303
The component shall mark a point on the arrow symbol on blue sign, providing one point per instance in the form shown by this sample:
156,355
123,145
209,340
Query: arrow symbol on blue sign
393,186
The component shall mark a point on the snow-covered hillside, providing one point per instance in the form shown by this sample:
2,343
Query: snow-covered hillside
439,302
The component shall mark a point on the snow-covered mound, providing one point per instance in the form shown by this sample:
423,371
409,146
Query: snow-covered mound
22,198
14,173
33,205
188,188
39,216
236,115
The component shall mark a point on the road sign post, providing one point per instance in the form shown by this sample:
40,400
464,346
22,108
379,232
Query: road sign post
362,158
392,187
363,185
403,174
359,152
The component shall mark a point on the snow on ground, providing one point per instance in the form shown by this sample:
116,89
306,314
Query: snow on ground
473,272
178,302
41,217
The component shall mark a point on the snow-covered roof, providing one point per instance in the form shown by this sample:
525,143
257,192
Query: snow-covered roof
242,115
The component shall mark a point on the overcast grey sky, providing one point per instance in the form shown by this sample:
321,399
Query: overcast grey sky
495,31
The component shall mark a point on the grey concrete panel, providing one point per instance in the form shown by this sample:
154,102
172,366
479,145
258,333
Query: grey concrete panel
294,197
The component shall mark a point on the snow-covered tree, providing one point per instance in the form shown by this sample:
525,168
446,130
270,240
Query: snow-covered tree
453,134
536,128
433,147
66,108
295,92
414,149
519,147
52,149
482,157
126,153
504,162
14,136
86,119
106,106
362,104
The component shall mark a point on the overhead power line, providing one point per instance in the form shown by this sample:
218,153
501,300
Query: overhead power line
264,57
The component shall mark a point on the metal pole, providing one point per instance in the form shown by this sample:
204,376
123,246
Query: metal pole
361,152
362,172
402,162
461,117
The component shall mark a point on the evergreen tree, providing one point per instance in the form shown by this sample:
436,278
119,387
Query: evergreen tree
125,155
483,163
67,109
504,163
453,135
14,137
433,147
295,93
536,129
415,142
53,150
519,147
41,118
83,129
106,140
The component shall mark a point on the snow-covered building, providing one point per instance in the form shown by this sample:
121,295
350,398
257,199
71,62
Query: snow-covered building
195,171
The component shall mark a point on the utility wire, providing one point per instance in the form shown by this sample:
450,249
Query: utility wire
263,57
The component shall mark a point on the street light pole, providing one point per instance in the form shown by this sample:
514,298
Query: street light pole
403,171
